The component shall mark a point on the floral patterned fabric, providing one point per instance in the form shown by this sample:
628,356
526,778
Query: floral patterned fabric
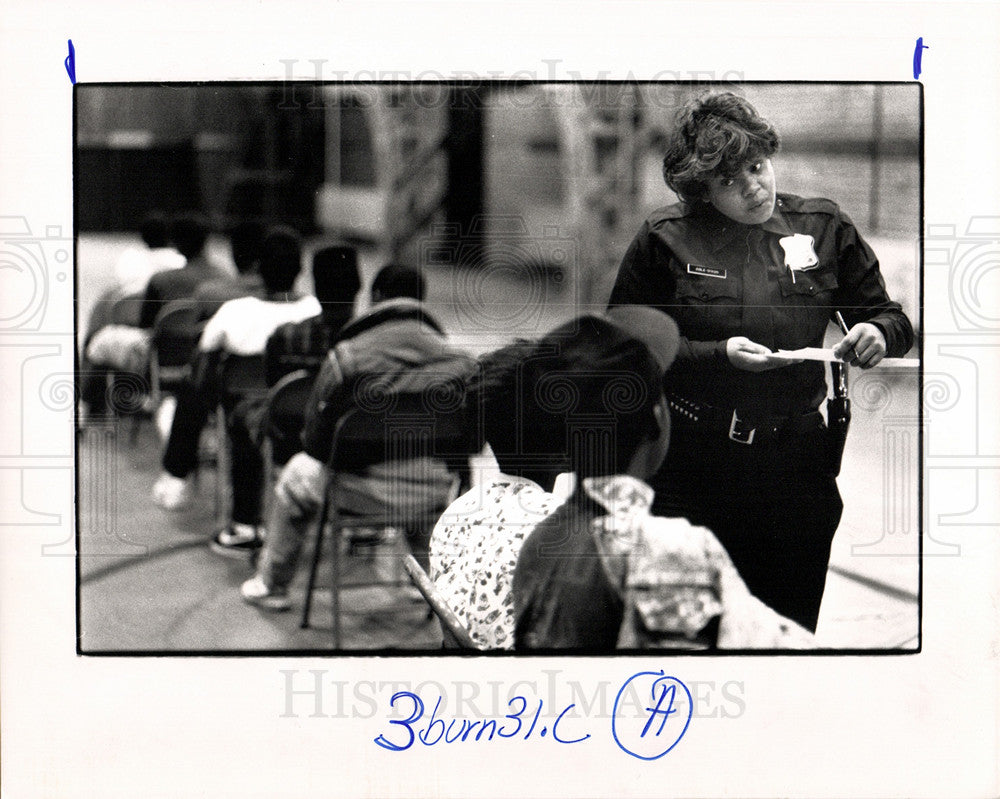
474,549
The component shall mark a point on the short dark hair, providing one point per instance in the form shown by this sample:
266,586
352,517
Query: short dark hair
335,274
188,233
495,388
396,280
280,259
716,133
154,230
245,242
589,391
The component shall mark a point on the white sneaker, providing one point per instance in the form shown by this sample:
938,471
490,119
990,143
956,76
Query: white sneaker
172,493
255,592
238,541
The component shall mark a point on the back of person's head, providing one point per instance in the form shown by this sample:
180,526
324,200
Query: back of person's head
591,387
245,242
715,134
154,230
495,388
336,279
188,234
280,259
395,280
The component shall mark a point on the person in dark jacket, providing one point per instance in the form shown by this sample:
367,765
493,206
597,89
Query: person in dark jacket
745,272
395,348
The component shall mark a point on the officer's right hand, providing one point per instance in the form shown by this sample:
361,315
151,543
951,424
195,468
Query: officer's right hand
753,357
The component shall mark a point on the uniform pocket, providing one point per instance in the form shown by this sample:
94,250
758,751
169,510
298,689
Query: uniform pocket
808,282
695,290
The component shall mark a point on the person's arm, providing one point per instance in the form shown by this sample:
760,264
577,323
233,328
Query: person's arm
863,300
213,335
327,403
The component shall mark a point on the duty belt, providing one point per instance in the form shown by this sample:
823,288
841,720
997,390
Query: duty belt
742,431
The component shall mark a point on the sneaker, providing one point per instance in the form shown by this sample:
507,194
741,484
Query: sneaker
172,493
255,592
237,541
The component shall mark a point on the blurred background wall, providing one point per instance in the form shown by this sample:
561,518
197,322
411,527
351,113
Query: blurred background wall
553,177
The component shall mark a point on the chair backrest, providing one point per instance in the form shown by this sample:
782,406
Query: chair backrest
175,333
456,636
127,310
286,408
242,375
406,429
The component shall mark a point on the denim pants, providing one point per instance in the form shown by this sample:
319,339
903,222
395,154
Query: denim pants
407,489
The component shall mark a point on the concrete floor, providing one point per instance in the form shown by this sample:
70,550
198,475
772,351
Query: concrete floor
149,582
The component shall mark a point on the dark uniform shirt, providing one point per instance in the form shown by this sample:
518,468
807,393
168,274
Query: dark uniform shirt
719,278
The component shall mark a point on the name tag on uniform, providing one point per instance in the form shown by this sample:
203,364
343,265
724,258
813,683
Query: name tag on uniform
706,271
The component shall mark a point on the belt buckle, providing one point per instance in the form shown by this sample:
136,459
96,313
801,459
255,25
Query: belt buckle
740,436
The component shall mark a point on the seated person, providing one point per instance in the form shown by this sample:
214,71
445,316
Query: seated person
305,344
138,264
601,572
291,347
240,327
399,344
245,242
475,544
123,350
188,234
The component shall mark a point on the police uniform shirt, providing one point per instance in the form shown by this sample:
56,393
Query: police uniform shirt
719,278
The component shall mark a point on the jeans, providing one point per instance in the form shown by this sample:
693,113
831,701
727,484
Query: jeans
404,489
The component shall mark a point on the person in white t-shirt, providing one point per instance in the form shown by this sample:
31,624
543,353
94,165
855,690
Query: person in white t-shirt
240,327
137,265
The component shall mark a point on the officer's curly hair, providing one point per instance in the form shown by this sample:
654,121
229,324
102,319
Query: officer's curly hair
716,133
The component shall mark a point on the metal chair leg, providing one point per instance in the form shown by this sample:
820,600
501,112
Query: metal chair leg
317,555
335,578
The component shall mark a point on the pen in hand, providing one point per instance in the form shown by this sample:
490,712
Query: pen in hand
843,327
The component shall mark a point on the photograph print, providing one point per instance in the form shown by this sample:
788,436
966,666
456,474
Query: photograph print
501,368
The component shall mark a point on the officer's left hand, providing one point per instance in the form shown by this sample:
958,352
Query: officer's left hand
864,346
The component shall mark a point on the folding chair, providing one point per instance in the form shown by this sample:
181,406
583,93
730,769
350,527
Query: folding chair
285,415
175,338
284,418
127,310
406,430
236,377
125,389
454,633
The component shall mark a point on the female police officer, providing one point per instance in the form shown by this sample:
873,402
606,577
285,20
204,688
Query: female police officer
744,272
